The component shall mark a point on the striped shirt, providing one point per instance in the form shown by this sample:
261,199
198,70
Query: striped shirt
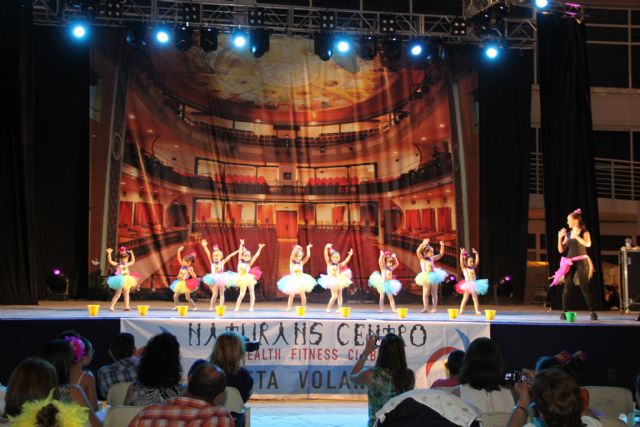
123,370
183,411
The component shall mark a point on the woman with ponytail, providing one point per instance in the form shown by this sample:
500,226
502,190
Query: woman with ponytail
575,266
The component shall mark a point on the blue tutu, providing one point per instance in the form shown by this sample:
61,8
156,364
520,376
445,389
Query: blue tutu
122,281
296,283
389,287
216,279
481,286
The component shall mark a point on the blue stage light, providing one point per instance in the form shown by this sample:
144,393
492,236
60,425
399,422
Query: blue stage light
162,36
416,49
541,4
491,52
343,46
79,30
239,39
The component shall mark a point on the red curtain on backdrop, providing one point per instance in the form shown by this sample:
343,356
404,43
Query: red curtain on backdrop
234,213
265,214
203,211
412,219
157,212
126,214
367,215
308,213
444,219
142,215
337,215
428,219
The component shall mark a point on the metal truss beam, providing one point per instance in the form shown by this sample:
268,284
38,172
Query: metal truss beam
286,20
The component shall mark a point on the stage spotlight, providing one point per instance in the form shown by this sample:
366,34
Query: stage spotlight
183,37
137,35
57,285
417,48
208,39
323,46
541,4
259,41
392,47
239,39
79,30
368,47
343,46
491,52
162,36
113,8
458,27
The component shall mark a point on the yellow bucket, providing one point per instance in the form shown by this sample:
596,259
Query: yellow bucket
345,311
183,310
453,313
301,310
93,309
220,309
143,310
490,314
402,313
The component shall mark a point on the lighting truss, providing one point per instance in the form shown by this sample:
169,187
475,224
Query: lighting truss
284,20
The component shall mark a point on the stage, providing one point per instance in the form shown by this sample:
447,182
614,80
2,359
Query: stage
524,333
506,314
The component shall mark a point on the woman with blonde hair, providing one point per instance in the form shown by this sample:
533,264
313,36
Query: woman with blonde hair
228,354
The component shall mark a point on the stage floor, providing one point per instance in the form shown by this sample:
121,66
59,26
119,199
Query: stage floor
521,314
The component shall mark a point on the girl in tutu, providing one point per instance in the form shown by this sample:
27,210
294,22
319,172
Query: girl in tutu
338,275
470,285
218,278
297,282
384,281
186,282
247,276
123,281
430,276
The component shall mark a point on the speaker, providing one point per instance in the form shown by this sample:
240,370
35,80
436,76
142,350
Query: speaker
630,279
57,285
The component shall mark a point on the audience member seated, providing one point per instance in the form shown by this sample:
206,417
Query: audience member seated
199,406
453,365
228,353
159,372
481,378
422,407
555,401
79,373
125,365
50,412
59,353
390,376
32,379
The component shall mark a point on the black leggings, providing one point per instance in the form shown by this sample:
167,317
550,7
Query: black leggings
581,269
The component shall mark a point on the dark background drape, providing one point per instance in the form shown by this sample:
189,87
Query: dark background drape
505,132
17,260
45,136
567,146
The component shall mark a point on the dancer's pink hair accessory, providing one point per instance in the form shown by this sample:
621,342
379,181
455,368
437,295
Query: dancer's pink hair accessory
79,350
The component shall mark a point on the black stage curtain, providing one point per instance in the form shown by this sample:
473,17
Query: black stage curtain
17,258
62,154
567,145
505,141
44,108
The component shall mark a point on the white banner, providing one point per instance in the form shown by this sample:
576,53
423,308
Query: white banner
311,357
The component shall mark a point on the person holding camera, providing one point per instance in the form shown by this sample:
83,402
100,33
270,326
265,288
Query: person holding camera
482,378
228,353
553,400
390,376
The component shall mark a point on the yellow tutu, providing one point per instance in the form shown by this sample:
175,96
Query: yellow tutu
245,280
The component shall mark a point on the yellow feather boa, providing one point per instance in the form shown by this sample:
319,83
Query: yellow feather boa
69,414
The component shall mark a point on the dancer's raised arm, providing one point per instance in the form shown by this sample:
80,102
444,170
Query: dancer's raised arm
347,259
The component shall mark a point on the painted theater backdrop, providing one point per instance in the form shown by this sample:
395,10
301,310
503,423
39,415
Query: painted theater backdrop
279,150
